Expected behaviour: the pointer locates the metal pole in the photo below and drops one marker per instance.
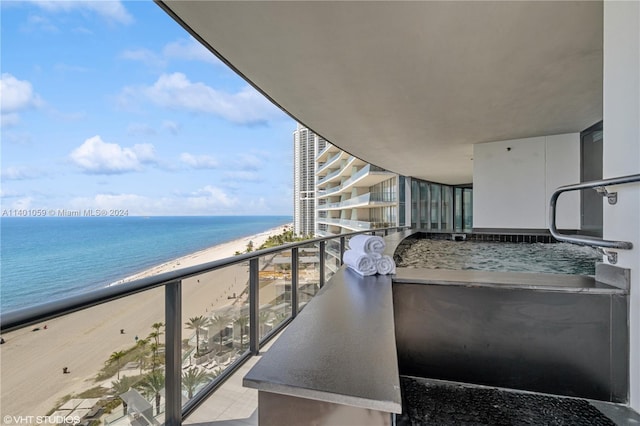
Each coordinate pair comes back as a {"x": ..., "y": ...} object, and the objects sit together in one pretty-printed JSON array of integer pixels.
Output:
[
  {"x": 173, "y": 366},
  {"x": 254, "y": 307},
  {"x": 294, "y": 282},
  {"x": 342, "y": 248},
  {"x": 322, "y": 244}
]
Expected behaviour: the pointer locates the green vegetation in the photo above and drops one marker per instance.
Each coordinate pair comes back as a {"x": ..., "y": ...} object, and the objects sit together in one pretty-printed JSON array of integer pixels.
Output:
[
  {"x": 116, "y": 358},
  {"x": 193, "y": 378},
  {"x": 220, "y": 322},
  {"x": 242, "y": 322},
  {"x": 196, "y": 323},
  {"x": 151, "y": 386},
  {"x": 287, "y": 236},
  {"x": 94, "y": 392}
]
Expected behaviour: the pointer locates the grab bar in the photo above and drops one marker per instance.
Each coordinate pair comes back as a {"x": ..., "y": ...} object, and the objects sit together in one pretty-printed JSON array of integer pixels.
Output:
[{"x": 600, "y": 186}]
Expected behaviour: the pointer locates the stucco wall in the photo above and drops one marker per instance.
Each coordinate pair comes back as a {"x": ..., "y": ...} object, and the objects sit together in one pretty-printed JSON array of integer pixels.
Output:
[
  {"x": 622, "y": 154},
  {"x": 513, "y": 181}
]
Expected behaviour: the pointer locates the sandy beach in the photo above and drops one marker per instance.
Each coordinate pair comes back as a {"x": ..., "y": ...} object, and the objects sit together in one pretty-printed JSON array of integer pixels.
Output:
[{"x": 31, "y": 378}]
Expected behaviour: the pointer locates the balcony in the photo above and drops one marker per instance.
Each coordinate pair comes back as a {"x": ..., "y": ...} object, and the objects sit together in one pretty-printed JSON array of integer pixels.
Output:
[
  {"x": 331, "y": 162},
  {"x": 364, "y": 200},
  {"x": 203, "y": 324},
  {"x": 368, "y": 176},
  {"x": 323, "y": 155},
  {"x": 328, "y": 177}
]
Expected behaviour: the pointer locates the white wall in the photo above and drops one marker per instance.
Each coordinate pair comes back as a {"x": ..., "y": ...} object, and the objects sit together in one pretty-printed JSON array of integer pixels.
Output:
[
  {"x": 622, "y": 154},
  {"x": 513, "y": 181}
]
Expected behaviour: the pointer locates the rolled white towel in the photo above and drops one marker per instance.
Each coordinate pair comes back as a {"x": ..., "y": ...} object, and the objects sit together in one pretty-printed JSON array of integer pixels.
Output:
[
  {"x": 367, "y": 243},
  {"x": 362, "y": 263},
  {"x": 385, "y": 265}
]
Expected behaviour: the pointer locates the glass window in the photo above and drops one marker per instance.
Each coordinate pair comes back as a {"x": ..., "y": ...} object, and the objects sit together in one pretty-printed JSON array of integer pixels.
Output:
[
  {"x": 435, "y": 206},
  {"x": 446, "y": 216}
]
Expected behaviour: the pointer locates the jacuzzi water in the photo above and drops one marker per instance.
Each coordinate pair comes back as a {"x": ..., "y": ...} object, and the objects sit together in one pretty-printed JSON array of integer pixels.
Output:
[{"x": 558, "y": 258}]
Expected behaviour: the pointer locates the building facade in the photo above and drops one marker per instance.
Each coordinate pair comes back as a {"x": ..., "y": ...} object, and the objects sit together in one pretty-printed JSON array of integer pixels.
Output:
[
  {"x": 306, "y": 145},
  {"x": 353, "y": 195}
]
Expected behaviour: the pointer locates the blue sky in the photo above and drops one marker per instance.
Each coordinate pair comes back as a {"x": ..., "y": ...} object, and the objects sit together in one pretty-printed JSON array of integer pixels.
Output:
[{"x": 112, "y": 105}]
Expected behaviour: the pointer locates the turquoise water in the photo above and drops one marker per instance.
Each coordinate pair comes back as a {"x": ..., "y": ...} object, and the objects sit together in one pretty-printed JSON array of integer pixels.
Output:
[
  {"x": 49, "y": 258},
  {"x": 559, "y": 258}
]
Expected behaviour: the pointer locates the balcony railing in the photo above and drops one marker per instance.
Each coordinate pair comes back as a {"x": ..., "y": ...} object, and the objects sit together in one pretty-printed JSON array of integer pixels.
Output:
[
  {"x": 328, "y": 177},
  {"x": 366, "y": 199},
  {"x": 263, "y": 292},
  {"x": 329, "y": 162}
]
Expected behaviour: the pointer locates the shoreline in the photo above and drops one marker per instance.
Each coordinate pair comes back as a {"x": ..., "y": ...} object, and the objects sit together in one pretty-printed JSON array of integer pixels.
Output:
[
  {"x": 205, "y": 255},
  {"x": 33, "y": 357}
]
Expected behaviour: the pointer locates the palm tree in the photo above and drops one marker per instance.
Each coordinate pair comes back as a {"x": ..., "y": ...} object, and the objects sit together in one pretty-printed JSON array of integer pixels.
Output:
[
  {"x": 220, "y": 322},
  {"x": 142, "y": 353},
  {"x": 154, "y": 356},
  {"x": 196, "y": 323},
  {"x": 263, "y": 317},
  {"x": 193, "y": 378},
  {"x": 116, "y": 357},
  {"x": 121, "y": 386},
  {"x": 152, "y": 385},
  {"x": 157, "y": 326},
  {"x": 242, "y": 322}
]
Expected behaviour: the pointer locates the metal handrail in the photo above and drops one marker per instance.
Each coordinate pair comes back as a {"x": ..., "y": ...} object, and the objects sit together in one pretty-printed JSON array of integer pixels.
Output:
[
  {"x": 172, "y": 282},
  {"x": 598, "y": 185}
]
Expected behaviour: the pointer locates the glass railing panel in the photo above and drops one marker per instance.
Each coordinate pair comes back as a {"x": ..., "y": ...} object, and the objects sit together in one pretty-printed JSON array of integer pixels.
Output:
[
  {"x": 215, "y": 325},
  {"x": 88, "y": 364},
  {"x": 331, "y": 262},
  {"x": 275, "y": 291},
  {"x": 308, "y": 273}
]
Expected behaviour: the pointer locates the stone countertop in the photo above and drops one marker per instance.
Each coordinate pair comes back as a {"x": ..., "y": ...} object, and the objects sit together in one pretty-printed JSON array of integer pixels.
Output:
[{"x": 340, "y": 349}]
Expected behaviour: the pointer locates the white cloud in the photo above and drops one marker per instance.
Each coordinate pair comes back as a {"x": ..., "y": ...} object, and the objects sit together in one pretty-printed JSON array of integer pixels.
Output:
[
  {"x": 210, "y": 199},
  {"x": 140, "y": 129},
  {"x": 40, "y": 23},
  {"x": 22, "y": 203},
  {"x": 144, "y": 55},
  {"x": 204, "y": 201},
  {"x": 10, "y": 119},
  {"x": 19, "y": 173},
  {"x": 199, "y": 161},
  {"x": 98, "y": 157},
  {"x": 249, "y": 162},
  {"x": 133, "y": 204},
  {"x": 171, "y": 126},
  {"x": 62, "y": 67},
  {"x": 110, "y": 10},
  {"x": 175, "y": 91},
  {"x": 15, "y": 96},
  {"x": 189, "y": 49}
]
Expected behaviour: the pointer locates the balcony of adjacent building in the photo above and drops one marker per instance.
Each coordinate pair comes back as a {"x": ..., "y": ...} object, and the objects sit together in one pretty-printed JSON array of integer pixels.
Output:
[
  {"x": 361, "y": 201},
  {"x": 326, "y": 152},
  {"x": 332, "y": 162},
  {"x": 367, "y": 176}
]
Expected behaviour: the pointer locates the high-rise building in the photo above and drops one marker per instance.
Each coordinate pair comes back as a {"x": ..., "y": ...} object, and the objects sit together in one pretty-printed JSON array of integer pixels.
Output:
[{"x": 306, "y": 146}]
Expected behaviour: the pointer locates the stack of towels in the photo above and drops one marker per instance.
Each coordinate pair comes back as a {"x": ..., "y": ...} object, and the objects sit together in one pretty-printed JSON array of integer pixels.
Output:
[{"x": 365, "y": 256}]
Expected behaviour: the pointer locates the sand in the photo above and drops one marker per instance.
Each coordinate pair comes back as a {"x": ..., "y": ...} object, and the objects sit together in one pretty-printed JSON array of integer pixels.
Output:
[{"x": 31, "y": 378}]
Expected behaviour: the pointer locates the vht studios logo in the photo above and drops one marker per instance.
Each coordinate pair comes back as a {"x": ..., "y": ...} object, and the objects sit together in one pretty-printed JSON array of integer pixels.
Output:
[{"x": 40, "y": 420}]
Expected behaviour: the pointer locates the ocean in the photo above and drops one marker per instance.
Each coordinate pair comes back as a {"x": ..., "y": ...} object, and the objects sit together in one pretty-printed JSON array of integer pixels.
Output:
[{"x": 43, "y": 259}]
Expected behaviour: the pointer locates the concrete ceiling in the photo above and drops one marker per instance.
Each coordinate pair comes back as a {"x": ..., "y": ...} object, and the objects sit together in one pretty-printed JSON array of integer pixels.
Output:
[{"x": 411, "y": 86}]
